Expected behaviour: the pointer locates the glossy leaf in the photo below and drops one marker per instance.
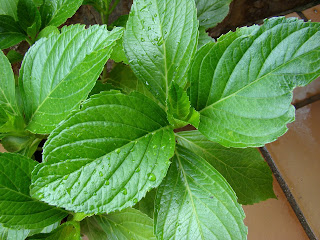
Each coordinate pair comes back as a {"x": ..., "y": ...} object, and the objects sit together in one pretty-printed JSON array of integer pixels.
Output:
[
  {"x": 12, "y": 234},
  {"x": 180, "y": 113},
  {"x": 211, "y": 12},
  {"x": 29, "y": 17},
  {"x": 67, "y": 231},
  {"x": 10, "y": 32},
  {"x": 10, "y": 115},
  {"x": 9, "y": 7},
  {"x": 123, "y": 78},
  {"x": 204, "y": 38},
  {"x": 15, "y": 201},
  {"x": 118, "y": 54},
  {"x": 102, "y": 159},
  {"x": 56, "y": 12},
  {"x": 242, "y": 85},
  {"x": 59, "y": 72},
  {"x": 160, "y": 41},
  {"x": 244, "y": 169},
  {"x": 125, "y": 225},
  {"x": 195, "y": 202}
]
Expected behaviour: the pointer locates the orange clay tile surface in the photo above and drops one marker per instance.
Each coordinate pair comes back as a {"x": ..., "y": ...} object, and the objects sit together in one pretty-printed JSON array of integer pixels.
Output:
[
  {"x": 313, "y": 13},
  {"x": 273, "y": 219},
  {"x": 297, "y": 155}
]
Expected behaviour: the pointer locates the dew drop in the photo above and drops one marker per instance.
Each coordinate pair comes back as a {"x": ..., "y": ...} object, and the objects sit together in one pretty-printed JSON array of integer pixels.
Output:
[
  {"x": 124, "y": 191},
  {"x": 142, "y": 40},
  {"x": 118, "y": 150},
  {"x": 107, "y": 182},
  {"x": 135, "y": 200},
  {"x": 100, "y": 174},
  {"x": 151, "y": 177},
  {"x": 137, "y": 170},
  {"x": 154, "y": 146}
]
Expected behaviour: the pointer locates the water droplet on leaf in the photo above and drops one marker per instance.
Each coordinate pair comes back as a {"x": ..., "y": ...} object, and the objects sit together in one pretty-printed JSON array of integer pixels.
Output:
[{"x": 151, "y": 177}]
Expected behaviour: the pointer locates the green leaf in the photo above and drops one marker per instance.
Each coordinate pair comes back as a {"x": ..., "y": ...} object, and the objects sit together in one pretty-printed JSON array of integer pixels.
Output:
[
  {"x": 29, "y": 17},
  {"x": 242, "y": 85},
  {"x": 10, "y": 115},
  {"x": 118, "y": 54},
  {"x": 60, "y": 71},
  {"x": 12, "y": 234},
  {"x": 14, "y": 57},
  {"x": 56, "y": 12},
  {"x": 244, "y": 169},
  {"x": 47, "y": 229},
  {"x": 122, "y": 77},
  {"x": 195, "y": 202},
  {"x": 15, "y": 201},
  {"x": 67, "y": 231},
  {"x": 47, "y": 32},
  {"x": 160, "y": 41},
  {"x": 204, "y": 38},
  {"x": 211, "y": 12},
  {"x": 125, "y": 225},
  {"x": 10, "y": 32},
  {"x": 180, "y": 113},
  {"x": 106, "y": 156},
  {"x": 100, "y": 87},
  {"x": 9, "y": 7},
  {"x": 146, "y": 204}
]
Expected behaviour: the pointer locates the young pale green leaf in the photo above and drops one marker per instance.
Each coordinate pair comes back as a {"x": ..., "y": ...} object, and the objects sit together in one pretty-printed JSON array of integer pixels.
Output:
[
  {"x": 10, "y": 114},
  {"x": 9, "y": 7},
  {"x": 244, "y": 169},
  {"x": 180, "y": 113},
  {"x": 56, "y": 12},
  {"x": 195, "y": 202},
  {"x": 106, "y": 156},
  {"x": 118, "y": 54},
  {"x": 15, "y": 200},
  {"x": 204, "y": 38},
  {"x": 122, "y": 77},
  {"x": 242, "y": 85},
  {"x": 29, "y": 17},
  {"x": 10, "y": 32},
  {"x": 59, "y": 72},
  {"x": 68, "y": 231},
  {"x": 160, "y": 41},
  {"x": 211, "y": 12},
  {"x": 12, "y": 234},
  {"x": 125, "y": 225}
]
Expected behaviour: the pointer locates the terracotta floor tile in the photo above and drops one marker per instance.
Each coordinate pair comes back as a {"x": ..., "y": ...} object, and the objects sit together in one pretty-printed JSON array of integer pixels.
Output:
[
  {"x": 313, "y": 13},
  {"x": 301, "y": 93},
  {"x": 273, "y": 219},
  {"x": 297, "y": 155},
  {"x": 294, "y": 14}
]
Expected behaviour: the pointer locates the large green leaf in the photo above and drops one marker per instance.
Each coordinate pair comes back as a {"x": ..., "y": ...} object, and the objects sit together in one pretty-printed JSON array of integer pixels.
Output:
[
  {"x": 242, "y": 85},
  {"x": 67, "y": 231},
  {"x": 195, "y": 202},
  {"x": 12, "y": 234},
  {"x": 59, "y": 72},
  {"x": 56, "y": 12},
  {"x": 10, "y": 114},
  {"x": 10, "y": 32},
  {"x": 15, "y": 200},
  {"x": 211, "y": 12},
  {"x": 9, "y": 7},
  {"x": 125, "y": 225},
  {"x": 160, "y": 40},
  {"x": 180, "y": 113},
  {"x": 106, "y": 156},
  {"x": 244, "y": 169}
]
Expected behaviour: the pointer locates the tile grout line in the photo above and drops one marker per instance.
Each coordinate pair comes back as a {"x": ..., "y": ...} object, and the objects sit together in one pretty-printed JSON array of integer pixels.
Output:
[
  {"x": 285, "y": 188},
  {"x": 307, "y": 101}
]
